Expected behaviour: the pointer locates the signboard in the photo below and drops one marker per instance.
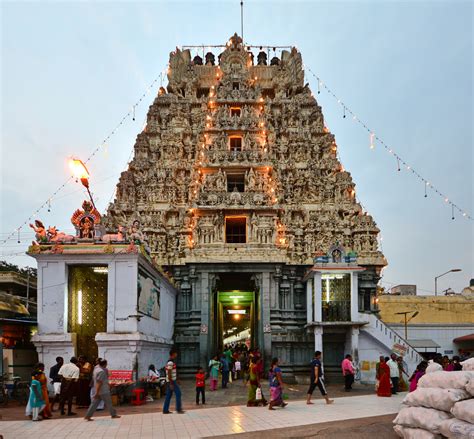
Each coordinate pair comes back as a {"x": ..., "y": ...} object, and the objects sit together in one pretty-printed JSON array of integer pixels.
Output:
[
  {"x": 399, "y": 349},
  {"x": 120, "y": 376},
  {"x": 148, "y": 294}
]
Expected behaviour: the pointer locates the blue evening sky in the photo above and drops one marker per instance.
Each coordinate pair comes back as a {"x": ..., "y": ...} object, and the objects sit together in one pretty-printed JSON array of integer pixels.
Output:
[{"x": 71, "y": 70}]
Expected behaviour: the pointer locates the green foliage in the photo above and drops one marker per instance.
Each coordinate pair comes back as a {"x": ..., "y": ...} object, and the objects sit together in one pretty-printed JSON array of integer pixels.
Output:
[{"x": 5, "y": 266}]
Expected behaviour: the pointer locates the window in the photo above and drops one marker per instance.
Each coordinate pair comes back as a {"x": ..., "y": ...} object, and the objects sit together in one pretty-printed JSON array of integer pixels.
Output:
[
  {"x": 235, "y": 86},
  {"x": 235, "y": 112},
  {"x": 202, "y": 92},
  {"x": 236, "y": 230},
  {"x": 236, "y": 181},
  {"x": 236, "y": 143},
  {"x": 268, "y": 93}
]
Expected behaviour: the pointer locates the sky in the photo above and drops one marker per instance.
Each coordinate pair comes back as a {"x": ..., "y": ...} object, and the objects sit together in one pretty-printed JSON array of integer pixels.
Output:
[{"x": 70, "y": 71}]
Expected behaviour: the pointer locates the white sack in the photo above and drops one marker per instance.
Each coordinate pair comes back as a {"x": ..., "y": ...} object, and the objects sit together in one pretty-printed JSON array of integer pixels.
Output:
[
  {"x": 470, "y": 386},
  {"x": 421, "y": 417},
  {"x": 464, "y": 410},
  {"x": 454, "y": 428},
  {"x": 446, "y": 380},
  {"x": 433, "y": 367},
  {"x": 439, "y": 399},
  {"x": 414, "y": 433},
  {"x": 468, "y": 364}
]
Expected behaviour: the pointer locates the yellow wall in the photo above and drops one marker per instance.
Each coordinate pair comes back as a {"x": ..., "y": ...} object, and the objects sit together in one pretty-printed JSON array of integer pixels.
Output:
[{"x": 431, "y": 309}]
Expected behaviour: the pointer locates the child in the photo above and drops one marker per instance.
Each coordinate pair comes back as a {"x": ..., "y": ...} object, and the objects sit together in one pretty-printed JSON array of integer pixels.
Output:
[
  {"x": 36, "y": 403},
  {"x": 200, "y": 386},
  {"x": 214, "y": 366}
]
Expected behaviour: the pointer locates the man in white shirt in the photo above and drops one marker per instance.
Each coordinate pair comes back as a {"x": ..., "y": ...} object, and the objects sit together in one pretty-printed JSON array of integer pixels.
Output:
[
  {"x": 69, "y": 374},
  {"x": 394, "y": 373}
]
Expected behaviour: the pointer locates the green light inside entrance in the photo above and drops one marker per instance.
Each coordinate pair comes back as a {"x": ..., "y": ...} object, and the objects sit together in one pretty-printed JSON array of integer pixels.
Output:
[{"x": 236, "y": 316}]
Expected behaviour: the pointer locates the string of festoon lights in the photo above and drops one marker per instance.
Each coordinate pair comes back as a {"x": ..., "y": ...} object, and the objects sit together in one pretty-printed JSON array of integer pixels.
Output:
[
  {"x": 102, "y": 146},
  {"x": 374, "y": 138}
]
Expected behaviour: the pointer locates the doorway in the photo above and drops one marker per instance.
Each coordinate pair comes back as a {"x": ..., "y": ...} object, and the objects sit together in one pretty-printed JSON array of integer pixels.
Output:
[
  {"x": 235, "y": 312},
  {"x": 87, "y": 306}
]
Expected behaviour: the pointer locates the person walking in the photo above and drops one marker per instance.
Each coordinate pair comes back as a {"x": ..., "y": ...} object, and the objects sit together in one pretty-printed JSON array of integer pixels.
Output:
[
  {"x": 36, "y": 402},
  {"x": 225, "y": 369},
  {"x": 276, "y": 386},
  {"x": 214, "y": 366},
  {"x": 200, "y": 386},
  {"x": 317, "y": 379},
  {"x": 253, "y": 382},
  {"x": 394, "y": 373},
  {"x": 348, "y": 372},
  {"x": 172, "y": 384},
  {"x": 69, "y": 373},
  {"x": 102, "y": 391},
  {"x": 56, "y": 380},
  {"x": 101, "y": 405}
]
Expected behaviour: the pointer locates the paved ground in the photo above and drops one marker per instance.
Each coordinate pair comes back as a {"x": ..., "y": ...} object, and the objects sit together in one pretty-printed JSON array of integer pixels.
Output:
[
  {"x": 235, "y": 394},
  {"x": 318, "y": 419}
]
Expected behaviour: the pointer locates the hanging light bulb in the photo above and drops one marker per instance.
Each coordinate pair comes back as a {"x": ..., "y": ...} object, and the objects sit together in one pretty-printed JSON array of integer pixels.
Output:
[{"x": 372, "y": 145}]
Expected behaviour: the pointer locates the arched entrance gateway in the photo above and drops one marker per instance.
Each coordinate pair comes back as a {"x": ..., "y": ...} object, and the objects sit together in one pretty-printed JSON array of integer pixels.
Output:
[{"x": 236, "y": 185}]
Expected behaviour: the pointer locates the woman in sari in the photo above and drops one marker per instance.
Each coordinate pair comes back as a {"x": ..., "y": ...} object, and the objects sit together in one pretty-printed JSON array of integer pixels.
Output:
[
  {"x": 41, "y": 377},
  {"x": 276, "y": 386},
  {"x": 417, "y": 374},
  {"x": 383, "y": 377},
  {"x": 253, "y": 383}
]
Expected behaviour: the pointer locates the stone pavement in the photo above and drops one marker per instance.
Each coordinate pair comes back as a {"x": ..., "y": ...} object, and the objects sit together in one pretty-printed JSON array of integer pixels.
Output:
[{"x": 206, "y": 422}]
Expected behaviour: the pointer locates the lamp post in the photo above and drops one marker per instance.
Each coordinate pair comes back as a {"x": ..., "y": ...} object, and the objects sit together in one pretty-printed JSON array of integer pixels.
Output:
[
  {"x": 453, "y": 270},
  {"x": 79, "y": 171},
  {"x": 415, "y": 313}
]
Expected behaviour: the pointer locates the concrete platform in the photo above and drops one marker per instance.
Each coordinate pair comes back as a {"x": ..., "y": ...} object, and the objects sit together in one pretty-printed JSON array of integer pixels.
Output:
[{"x": 208, "y": 422}]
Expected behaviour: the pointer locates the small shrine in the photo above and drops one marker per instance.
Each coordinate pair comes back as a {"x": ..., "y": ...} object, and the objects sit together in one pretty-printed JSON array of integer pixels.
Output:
[{"x": 101, "y": 295}]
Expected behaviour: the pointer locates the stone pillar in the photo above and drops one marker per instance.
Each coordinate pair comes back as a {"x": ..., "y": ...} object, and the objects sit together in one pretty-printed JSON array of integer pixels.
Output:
[
  {"x": 318, "y": 312},
  {"x": 265, "y": 315},
  {"x": 355, "y": 344},
  {"x": 204, "y": 330},
  {"x": 309, "y": 300},
  {"x": 318, "y": 338},
  {"x": 354, "y": 297}
]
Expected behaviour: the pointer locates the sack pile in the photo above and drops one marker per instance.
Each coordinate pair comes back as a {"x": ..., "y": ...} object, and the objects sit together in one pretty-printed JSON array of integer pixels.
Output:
[{"x": 441, "y": 406}]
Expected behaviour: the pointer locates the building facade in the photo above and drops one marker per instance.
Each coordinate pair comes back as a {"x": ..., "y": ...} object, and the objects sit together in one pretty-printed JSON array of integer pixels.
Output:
[{"x": 237, "y": 186}]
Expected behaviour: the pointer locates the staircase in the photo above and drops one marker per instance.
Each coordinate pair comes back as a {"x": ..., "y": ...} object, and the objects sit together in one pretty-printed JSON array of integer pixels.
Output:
[{"x": 388, "y": 337}]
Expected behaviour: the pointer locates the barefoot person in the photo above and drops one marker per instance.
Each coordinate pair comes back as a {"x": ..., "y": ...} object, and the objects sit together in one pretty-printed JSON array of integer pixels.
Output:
[
  {"x": 276, "y": 386},
  {"x": 317, "y": 379},
  {"x": 102, "y": 391}
]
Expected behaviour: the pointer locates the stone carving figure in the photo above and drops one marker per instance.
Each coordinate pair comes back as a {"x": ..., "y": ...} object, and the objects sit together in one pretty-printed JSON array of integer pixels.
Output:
[{"x": 250, "y": 180}]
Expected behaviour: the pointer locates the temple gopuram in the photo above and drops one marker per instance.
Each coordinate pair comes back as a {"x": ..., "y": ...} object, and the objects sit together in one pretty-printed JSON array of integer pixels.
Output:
[{"x": 236, "y": 184}]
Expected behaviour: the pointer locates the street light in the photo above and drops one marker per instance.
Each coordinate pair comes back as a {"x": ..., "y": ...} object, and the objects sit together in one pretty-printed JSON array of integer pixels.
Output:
[
  {"x": 415, "y": 313},
  {"x": 80, "y": 172},
  {"x": 453, "y": 270}
]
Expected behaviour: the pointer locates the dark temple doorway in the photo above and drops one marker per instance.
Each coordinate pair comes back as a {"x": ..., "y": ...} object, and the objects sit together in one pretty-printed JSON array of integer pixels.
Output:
[{"x": 235, "y": 311}]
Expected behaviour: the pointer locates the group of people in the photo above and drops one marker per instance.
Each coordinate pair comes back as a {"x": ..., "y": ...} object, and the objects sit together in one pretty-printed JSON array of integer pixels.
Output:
[
  {"x": 76, "y": 379},
  {"x": 390, "y": 373},
  {"x": 248, "y": 365}
]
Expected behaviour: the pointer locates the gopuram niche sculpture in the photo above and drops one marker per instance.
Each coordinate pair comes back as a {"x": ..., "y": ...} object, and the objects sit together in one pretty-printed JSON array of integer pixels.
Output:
[{"x": 236, "y": 166}]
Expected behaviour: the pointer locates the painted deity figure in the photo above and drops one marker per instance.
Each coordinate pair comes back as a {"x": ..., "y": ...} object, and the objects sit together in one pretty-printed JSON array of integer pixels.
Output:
[{"x": 40, "y": 231}]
